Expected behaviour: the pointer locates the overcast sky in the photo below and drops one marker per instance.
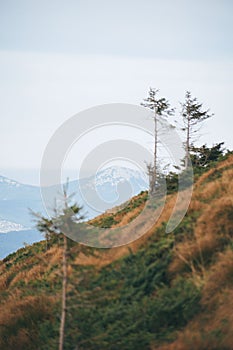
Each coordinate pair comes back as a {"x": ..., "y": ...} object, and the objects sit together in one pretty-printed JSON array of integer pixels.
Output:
[{"x": 60, "y": 57}]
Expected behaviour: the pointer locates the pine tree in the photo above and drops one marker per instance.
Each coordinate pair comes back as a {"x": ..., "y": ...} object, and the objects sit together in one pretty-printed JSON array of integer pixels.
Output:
[
  {"x": 62, "y": 223},
  {"x": 161, "y": 109},
  {"x": 193, "y": 115}
]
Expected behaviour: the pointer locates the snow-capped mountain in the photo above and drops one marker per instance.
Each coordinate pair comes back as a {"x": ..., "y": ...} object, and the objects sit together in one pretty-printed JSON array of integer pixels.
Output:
[
  {"x": 115, "y": 175},
  {"x": 7, "y": 226},
  {"x": 7, "y": 181},
  {"x": 108, "y": 188}
]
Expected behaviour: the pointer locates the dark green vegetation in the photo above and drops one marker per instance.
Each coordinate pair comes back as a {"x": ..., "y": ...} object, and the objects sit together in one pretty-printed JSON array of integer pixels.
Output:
[
  {"x": 165, "y": 291},
  {"x": 203, "y": 158}
]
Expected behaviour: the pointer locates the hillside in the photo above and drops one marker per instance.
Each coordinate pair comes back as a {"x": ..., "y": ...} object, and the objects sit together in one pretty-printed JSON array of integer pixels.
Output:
[{"x": 163, "y": 291}]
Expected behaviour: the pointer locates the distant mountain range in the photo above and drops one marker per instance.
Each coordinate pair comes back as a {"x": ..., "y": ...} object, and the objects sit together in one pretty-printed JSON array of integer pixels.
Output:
[
  {"x": 110, "y": 187},
  {"x": 15, "y": 201}
]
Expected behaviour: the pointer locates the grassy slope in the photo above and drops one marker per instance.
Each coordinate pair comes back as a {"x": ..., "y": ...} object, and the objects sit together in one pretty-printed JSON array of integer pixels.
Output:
[{"x": 160, "y": 292}]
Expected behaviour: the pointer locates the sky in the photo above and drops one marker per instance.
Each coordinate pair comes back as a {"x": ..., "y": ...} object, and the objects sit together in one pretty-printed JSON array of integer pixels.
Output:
[{"x": 58, "y": 58}]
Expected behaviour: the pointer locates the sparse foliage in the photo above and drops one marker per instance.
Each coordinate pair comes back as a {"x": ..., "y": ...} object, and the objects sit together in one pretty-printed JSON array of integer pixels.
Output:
[
  {"x": 193, "y": 115},
  {"x": 62, "y": 223},
  {"x": 161, "y": 109},
  {"x": 203, "y": 156}
]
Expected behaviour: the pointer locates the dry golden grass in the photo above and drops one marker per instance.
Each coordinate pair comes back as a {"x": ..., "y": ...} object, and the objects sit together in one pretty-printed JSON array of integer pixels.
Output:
[
  {"x": 212, "y": 233},
  {"x": 196, "y": 205},
  {"x": 217, "y": 219},
  {"x": 214, "y": 227},
  {"x": 33, "y": 269},
  {"x": 26, "y": 311},
  {"x": 211, "y": 190},
  {"x": 192, "y": 256},
  {"x": 215, "y": 188},
  {"x": 219, "y": 276},
  {"x": 213, "y": 327},
  {"x": 4, "y": 280},
  {"x": 53, "y": 256},
  {"x": 36, "y": 272},
  {"x": 224, "y": 165},
  {"x": 125, "y": 219}
]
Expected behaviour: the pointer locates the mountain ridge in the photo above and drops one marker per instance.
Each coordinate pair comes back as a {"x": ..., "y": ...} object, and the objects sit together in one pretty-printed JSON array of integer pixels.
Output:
[{"x": 28, "y": 196}]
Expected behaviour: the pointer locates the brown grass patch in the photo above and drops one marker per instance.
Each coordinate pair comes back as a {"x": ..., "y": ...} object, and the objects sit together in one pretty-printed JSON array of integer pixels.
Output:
[
  {"x": 217, "y": 218},
  {"x": 16, "y": 316},
  {"x": 193, "y": 255},
  {"x": 195, "y": 205},
  {"x": 126, "y": 218},
  {"x": 36, "y": 272},
  {"x": 224, "y": 165},
  {"x": 219, "y": 276}
]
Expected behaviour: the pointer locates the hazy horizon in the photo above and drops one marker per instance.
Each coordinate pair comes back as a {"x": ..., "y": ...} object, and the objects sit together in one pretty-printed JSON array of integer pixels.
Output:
[{"x": 58, "y": 60}]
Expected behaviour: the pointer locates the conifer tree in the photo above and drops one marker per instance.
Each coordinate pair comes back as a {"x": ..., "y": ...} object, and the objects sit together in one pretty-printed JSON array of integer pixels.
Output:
[
  {"x": 193, "y": 115},
  {"x": 62, "y": 223},
  {"x": 161, "y": 109}
]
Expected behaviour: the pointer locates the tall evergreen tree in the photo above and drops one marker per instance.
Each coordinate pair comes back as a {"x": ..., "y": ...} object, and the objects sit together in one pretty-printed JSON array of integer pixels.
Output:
[
  {"x": 193, "y": 115},
  {"x": 161, "y": 109}
]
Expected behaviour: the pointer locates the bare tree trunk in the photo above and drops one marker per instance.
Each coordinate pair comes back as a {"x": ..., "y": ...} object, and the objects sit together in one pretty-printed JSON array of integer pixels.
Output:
[
  {"x": 150, "y": 172},
  {"x": 187, "y": 146},
  {"x": 64, "y": 287},
  {"x": 154, "y": 173}
]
